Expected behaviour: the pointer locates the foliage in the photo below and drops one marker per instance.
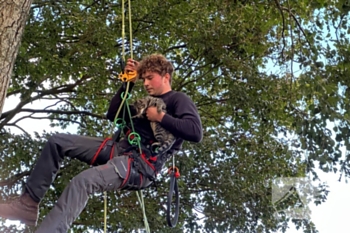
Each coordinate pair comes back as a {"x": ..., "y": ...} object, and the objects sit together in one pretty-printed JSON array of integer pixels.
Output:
[{"x": 269, "y": 79}]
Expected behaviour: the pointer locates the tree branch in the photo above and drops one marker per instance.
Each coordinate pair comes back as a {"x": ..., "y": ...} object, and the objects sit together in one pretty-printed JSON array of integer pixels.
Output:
[
  {"x": 13, "y": 179},
  {"x": 283, "y": 25},
  {"x": 20, "y": 128},
  {"x": 175, "y": 47},
  {"x": 62, "y": 112},
  {"x": 7, "y": 116}
]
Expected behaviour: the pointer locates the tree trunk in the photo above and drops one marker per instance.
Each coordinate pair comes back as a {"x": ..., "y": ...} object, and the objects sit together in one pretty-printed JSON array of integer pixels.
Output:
[{"x": 13, "y": 16}]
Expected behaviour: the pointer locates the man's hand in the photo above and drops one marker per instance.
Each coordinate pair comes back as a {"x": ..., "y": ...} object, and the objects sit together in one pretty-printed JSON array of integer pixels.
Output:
[
  {"x": 131, "y": 65},
  {"x": 153, "y": 115}
]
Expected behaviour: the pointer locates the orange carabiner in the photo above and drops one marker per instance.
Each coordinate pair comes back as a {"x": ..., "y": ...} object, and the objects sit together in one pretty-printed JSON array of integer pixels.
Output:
[{"x": 176, "y": 172}]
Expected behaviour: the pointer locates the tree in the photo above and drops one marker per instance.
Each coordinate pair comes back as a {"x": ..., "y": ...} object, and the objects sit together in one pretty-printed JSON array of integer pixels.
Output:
[
  {"x": 13, "y": 16},
  {"x": 236, "y": 59}
]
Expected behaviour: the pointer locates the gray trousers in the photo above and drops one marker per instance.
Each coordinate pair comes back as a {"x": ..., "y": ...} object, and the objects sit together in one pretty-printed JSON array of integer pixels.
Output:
[{"x": 75, "y": 196}]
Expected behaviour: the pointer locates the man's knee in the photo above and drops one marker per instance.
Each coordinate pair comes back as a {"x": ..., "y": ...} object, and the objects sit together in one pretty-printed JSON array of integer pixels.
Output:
[
  {"x": 82, "y": 182},
  {"x": 54, "y": 139}
]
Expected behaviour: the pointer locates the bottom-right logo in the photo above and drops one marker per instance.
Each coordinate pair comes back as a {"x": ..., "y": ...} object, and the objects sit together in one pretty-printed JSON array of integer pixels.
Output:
[{"x": 291, "y": 197}]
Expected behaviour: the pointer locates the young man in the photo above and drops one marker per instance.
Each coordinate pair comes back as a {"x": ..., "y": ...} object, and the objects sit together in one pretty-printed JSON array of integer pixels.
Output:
[{"x": 181, "y": 119}]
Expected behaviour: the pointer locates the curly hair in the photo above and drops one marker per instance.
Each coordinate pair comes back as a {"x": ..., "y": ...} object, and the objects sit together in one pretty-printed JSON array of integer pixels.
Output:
[{"x": 155, "y": 63}]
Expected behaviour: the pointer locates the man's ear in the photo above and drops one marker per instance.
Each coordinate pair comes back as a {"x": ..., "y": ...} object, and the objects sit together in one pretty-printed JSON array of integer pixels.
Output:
[{"x": 167, "y": 76}]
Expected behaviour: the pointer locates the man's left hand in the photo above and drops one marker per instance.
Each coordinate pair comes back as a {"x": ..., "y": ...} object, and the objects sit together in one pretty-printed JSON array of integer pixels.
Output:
[{"x": 153, "y": 115}]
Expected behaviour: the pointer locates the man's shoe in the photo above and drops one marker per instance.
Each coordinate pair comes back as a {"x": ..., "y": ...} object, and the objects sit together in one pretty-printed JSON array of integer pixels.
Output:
[{"x": 23, "y": 208}]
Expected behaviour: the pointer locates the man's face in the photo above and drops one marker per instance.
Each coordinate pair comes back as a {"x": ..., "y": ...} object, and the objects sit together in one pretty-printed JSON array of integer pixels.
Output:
[{"x": 154, "y": 83}]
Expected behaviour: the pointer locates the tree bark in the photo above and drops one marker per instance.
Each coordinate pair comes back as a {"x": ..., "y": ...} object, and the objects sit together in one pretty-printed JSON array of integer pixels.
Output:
[{"x": 13, "y": 16}]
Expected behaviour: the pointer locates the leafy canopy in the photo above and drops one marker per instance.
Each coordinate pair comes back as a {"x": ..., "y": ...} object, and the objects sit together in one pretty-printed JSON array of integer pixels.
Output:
[{"x": 269, "y": 79}]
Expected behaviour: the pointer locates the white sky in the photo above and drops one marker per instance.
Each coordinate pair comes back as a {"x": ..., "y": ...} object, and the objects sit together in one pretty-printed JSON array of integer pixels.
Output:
[{"x": 329, "y": 217}]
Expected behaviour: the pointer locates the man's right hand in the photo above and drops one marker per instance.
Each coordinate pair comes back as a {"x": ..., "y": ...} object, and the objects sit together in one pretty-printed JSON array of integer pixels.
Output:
[{"x": 131, "y": 65}]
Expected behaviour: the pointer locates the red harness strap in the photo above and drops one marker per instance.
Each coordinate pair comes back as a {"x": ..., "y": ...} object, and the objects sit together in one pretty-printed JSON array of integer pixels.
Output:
[
  {"x": 99, "y": 150},
  {"x": 144, "y": 158}
]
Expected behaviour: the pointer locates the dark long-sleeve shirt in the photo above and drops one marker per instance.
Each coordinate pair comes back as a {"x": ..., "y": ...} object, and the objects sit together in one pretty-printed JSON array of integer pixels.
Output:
[{"x": 182, "y": 118}]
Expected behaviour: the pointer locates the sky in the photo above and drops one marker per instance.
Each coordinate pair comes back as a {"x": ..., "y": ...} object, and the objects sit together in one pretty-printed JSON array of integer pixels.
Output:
[{"x": 331, "y": 216}]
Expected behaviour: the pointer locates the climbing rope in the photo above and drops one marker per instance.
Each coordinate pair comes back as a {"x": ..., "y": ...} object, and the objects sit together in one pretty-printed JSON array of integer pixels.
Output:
[
  {"x": 105, "y": 212},
  {"x": 127, "y": 76}
]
